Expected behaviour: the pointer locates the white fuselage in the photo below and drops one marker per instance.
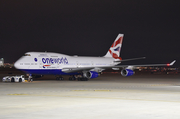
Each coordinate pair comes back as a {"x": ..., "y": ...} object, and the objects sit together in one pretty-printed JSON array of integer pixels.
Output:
[{"x": 43, "y": 62}]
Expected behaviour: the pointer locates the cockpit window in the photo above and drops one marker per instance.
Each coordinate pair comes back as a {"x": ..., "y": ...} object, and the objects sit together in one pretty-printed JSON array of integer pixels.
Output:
[{"x": 27, "y": 55}]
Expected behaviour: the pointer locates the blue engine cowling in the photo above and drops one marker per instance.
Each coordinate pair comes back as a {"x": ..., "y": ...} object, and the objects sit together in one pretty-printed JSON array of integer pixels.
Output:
[
  {"x": 90, "y": 74},
  {"x": 127, "y": 72}
]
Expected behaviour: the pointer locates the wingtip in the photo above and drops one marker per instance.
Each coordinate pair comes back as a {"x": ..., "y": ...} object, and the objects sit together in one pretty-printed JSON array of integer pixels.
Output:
[{"x": 172, "y": 62}]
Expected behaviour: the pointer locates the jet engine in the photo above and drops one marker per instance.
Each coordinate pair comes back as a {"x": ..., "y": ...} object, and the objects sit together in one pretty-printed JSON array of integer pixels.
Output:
[
  {"x": 90, "y": 74},
  {"x": 127, "y": 72}
]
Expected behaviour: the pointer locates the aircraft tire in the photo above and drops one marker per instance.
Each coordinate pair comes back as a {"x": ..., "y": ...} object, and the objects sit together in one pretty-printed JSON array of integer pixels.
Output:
[
  {"x": 83, "y": 79},
  {"x": 86, "y": 79},
  {"x": 31, "y": 80},
  {"x": 61, "y": 78}
]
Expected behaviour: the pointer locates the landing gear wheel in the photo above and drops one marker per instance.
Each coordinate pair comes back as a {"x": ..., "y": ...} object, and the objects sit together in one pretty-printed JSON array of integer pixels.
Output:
[
  {"x": 57, "y": 78},
  {"x": 31, "y": 80},
  {"x": 61, "y": 78},
  {"x": 83, "y": 79},
  {"x": 70, "y": 78}
]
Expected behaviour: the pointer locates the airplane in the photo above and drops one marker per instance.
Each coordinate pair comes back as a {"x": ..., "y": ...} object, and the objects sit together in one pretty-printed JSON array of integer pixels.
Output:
[{"x": 80, "y": 68}]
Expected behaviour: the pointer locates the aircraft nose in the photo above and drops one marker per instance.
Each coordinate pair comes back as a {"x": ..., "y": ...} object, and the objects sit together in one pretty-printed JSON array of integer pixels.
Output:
[
  {"x": 16, "y": 64},
  {"x": 19, "y": 63}
]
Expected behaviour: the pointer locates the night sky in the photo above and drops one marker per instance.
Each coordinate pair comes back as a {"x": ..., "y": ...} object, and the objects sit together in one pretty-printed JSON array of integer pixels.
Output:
[{"x": 151, "y": 28}]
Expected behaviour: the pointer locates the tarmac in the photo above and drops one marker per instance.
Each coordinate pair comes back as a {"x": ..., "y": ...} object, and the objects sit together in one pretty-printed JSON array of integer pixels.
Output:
[{"x": 109, "y": 96}]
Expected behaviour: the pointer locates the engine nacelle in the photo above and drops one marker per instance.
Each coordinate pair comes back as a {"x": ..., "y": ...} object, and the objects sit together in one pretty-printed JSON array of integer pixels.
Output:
[
  {"x": 90, "y": 74},
  {"x": 127, "y": 72}
]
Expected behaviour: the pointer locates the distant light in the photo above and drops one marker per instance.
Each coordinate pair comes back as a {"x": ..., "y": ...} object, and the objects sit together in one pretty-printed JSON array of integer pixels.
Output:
[{"x": 168, "y": 64}]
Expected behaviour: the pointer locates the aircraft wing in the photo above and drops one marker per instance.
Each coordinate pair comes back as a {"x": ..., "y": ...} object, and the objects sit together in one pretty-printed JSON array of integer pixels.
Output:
[
  {"x": 146, "y": 65},
  {"x": 78, "y": 69}
]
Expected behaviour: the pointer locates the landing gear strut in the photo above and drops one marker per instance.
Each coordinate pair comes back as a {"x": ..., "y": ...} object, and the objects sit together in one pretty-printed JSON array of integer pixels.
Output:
[{"x": 30, "y": 79}]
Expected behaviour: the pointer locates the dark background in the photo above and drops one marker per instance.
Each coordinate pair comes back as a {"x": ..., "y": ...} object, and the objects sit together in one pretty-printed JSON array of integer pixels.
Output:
[{"x": 151, "y": 28}]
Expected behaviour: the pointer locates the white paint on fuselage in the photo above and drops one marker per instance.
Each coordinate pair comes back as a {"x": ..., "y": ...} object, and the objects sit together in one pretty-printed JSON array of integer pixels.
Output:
[{"x": 29, "y": 61}]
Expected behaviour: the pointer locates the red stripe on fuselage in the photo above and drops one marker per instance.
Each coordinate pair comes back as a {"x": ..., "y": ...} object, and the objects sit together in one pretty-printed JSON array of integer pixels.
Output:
[{"x": 46, "y": 65}]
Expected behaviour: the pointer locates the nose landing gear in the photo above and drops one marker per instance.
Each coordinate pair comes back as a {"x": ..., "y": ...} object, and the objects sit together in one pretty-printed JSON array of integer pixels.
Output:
[{"x": 30, "y": 78}]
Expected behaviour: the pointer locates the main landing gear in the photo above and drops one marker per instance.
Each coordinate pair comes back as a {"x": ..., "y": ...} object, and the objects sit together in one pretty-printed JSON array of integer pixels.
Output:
[
  {"x": 79, "y": 78},
  {"x": 83, "y": 79},
  {"x": 73, "y": 78},
  {"x": 59, "y": 78}
]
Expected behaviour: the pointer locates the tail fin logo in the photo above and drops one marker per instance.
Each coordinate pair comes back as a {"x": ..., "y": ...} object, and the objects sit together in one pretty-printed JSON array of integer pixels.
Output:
[
  {"x": 115, "y": 48},
  {"x": 119, "y": 41}
]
